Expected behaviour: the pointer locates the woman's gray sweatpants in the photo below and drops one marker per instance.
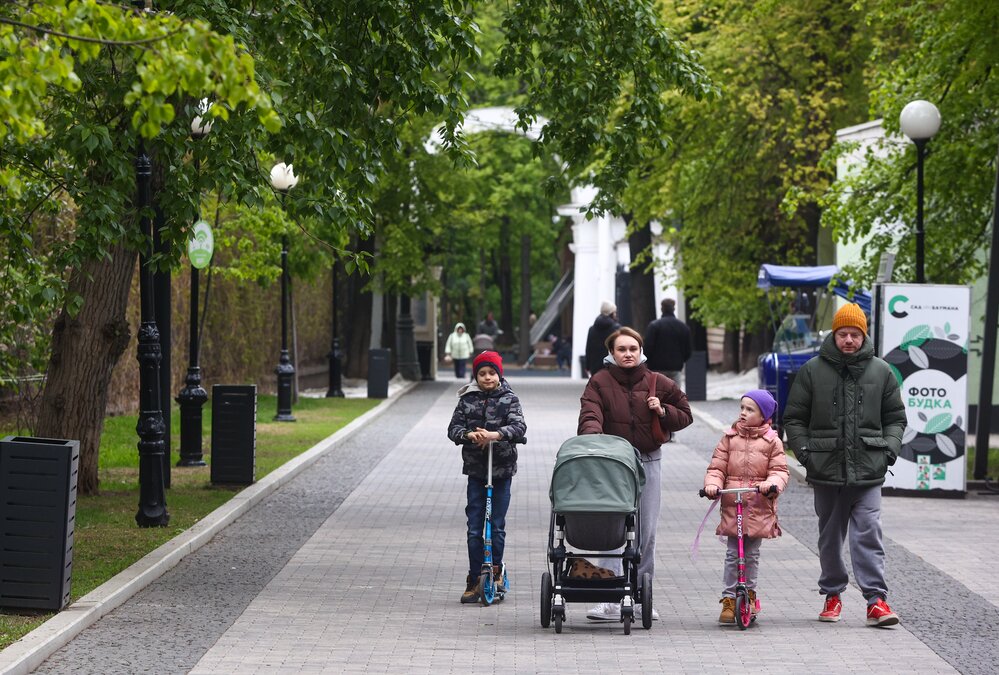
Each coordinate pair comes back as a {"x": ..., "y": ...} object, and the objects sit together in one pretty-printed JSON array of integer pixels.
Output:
[
  {"x": 649, "y": 505},
  {"x": 857, "y": 511}
]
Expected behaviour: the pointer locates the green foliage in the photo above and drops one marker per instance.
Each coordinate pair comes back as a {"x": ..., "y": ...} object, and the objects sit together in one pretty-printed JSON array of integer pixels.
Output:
[
  {"x": 600, "y": 71},
  {"x": 731, "y": 188},
  {"x": 942, "y": 51}
]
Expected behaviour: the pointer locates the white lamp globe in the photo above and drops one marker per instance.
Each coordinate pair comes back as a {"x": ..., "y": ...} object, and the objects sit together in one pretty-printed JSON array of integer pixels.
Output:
[
  {"x": 919, "y": 120},
  {"x": 283, "y": 177},
  {"x": 199, "y": 125}
]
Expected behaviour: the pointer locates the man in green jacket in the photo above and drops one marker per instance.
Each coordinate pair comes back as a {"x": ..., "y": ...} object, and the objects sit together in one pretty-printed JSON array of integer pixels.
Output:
[{"x": 844, "y": 420}]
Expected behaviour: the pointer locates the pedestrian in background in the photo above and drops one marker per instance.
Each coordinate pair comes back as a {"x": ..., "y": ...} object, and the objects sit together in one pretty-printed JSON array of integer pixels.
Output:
[
  {"x": 667, "y": 342},
  {"x": 750, "y": 453},
  {"x": 596, "y": 338},
  {"x": 844, "y": 421},
  {"x": 487, "y": 410},
  {"x": 488, "y": 326},
  {"x": 458, "y": 349},
  {"x": 627, "y": 399}
]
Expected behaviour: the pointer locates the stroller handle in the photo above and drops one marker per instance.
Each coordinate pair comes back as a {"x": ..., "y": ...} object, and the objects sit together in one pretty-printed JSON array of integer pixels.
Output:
[{"x": 735, "y": 491}]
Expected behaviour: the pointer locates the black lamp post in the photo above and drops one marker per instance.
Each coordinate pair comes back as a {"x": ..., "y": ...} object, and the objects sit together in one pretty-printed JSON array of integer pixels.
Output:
[
  {"x": 150, "y": 427},
  {"x": 334, "y": 390},
  {"x": 408, "y": 363},
  {"x": 193, "y": 396},
  {"x": 283, "y": 179},
  {"x": 920, "y": 121}
]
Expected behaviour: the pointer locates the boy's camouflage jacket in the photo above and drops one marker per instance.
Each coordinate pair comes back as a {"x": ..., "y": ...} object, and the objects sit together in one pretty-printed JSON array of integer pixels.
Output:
[{"x": 498, "y": 410}]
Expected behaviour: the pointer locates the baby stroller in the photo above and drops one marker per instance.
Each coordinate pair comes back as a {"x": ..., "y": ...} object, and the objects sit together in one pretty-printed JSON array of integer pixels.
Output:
[{"x": 595, "y": 489}]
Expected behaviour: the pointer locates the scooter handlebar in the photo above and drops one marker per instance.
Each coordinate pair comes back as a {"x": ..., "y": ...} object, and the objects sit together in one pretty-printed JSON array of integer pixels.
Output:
[{"x": 732, "y": 491}]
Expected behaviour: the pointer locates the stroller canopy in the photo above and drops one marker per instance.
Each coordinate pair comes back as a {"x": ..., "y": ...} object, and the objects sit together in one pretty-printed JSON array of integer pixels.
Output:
[{"x": 596, "y": 473}]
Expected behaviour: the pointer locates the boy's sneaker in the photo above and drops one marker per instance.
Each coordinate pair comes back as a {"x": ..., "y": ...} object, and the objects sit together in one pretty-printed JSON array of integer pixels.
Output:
[
  {"x": 754, "y": 604},
  {"x": 832, "y": 608},
  {"x": 880, "y": 614},
  {"x": 605, "y": 611},
  {"x": 471, "y": 594}
]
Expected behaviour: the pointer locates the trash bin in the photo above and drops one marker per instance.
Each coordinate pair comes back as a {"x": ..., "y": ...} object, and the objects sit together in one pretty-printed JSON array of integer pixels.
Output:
[
  {"x": 37, "y": 518},
  {"x": 696, "y": 370},
  {"x": 379, "y": 366},
  {"x": 425, "y": 355},
  {"x": 234, "y": 433}
]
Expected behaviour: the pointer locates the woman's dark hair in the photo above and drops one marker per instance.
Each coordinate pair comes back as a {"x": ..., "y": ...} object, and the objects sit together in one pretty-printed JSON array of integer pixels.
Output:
[{"x": 623, "y": 330}]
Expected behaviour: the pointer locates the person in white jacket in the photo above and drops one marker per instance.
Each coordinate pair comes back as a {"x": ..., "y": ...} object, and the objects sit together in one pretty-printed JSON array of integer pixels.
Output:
[{"x": 458, "y": 349}]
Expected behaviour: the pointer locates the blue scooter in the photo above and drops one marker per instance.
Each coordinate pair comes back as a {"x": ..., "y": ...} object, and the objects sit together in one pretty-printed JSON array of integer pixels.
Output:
[{"x": 492, "y": 589}]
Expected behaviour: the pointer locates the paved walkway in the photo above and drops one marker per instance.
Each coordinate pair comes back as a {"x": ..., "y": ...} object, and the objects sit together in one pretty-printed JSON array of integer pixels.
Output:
[{"x": 357, "y": 564}]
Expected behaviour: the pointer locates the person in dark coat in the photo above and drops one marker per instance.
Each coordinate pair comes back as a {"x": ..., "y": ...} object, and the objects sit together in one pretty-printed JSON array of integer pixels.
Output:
[
  {"x": 596, "y": 349},
  {"x": 844, "y": 421},
  {"x": 667, "y": 342}
]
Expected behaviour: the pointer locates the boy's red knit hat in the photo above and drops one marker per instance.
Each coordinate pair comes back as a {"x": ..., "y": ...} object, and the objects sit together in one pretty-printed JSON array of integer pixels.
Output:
[{"x": 488, "y": 359}]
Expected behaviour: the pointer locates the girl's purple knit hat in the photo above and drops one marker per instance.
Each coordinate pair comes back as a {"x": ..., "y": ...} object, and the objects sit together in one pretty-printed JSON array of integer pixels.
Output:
[{"x": 765, "y": 400}]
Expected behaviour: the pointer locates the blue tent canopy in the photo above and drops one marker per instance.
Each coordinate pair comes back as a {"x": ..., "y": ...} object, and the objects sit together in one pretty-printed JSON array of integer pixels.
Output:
[{"x": 787, "y": 276}]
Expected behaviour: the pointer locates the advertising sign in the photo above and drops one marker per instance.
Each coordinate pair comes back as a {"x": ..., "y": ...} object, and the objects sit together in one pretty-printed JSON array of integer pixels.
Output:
[
  {"x": 201, "y": 245},
  {"x": 923, "y": 335}
]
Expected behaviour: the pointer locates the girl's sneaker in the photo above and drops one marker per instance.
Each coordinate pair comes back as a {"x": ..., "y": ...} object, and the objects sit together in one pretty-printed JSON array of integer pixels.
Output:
[{"x": 728, "y": 610}]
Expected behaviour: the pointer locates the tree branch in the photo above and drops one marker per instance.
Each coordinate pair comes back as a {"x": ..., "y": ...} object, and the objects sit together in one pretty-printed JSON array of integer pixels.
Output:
[{"x": 80, "y": 38}]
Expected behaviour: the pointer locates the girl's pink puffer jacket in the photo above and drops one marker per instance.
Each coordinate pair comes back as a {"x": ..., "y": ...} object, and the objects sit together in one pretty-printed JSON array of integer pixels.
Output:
[{"x": 744, "y": 457}]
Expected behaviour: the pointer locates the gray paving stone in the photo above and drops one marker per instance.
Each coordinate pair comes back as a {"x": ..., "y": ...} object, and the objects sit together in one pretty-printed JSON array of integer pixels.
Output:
[{"x": 357, "y": 565}]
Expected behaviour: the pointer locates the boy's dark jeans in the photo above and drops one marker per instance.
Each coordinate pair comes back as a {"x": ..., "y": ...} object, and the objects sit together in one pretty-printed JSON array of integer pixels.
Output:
[{"x": 475, "y": 510}]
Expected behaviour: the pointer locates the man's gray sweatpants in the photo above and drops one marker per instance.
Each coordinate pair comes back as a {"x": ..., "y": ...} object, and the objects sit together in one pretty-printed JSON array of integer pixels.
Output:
[{"x": 855, "y": 511}]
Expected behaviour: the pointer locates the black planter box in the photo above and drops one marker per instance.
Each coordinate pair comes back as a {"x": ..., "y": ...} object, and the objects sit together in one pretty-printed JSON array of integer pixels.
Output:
[{"x": 38, "y": 479}]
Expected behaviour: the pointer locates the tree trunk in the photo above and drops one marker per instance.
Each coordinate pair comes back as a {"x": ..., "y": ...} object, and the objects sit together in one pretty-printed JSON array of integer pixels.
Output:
[
  {"x": 754, "y": 344},
  {"x": 505, "y": 273},
  {"x": 643, "y": 284},
  {"x": 730, "y": 352},
  {"x": 85, "y": 349},
  {"x": 355, "y": 309},
  {"x": 698, "y": 332},
  {"x": 524, "y": 343}
]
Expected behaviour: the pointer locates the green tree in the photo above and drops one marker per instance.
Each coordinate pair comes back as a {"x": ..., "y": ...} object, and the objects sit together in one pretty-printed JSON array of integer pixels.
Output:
[
  {"x": 346, "y": 79},
  {"x": 730, "y": 189},
  {"x": 942, "y": 51}
]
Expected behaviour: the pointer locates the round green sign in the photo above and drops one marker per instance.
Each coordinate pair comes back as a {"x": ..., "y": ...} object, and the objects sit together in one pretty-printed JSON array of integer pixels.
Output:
[{"x": 201, "y": 245}]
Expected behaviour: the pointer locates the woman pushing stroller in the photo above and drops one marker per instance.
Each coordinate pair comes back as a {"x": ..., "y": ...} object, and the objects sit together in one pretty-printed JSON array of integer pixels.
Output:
[
  {"x": 627, "y": 399},
  {"x": 749, "y": 454}
]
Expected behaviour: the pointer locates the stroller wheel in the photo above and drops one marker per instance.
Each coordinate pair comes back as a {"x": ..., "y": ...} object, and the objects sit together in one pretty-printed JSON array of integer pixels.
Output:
[
  {"x": 646, "y": 598},
  {"x": 558, "y": 622},
  {"x": 546, "y": 600},
  {"x": 627, "y": 625}
]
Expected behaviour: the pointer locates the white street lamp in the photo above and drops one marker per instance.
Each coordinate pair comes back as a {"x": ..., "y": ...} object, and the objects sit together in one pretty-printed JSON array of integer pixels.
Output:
[
  {"x": 920, "y": 121},
  {"x": 283, "y": 177}
]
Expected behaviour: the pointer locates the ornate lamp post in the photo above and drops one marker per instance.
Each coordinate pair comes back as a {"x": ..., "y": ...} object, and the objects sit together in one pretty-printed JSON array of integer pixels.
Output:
[
  {"x": 283, "y": 179},
  {"x": 193, "y": 396},
  {"x": 334, "y": 390},
  {"x": 920, "y": 121},
  {"x": 150, "y": 427}
]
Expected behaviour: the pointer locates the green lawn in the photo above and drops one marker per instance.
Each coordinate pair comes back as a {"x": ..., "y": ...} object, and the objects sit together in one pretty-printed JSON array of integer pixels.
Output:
[{"x": 107, "y": 539}]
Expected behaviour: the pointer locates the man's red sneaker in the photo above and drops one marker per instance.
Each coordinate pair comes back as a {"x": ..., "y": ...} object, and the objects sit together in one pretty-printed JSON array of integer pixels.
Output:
[
  {"x": 832, "y": 608},
  {"x": 880, "y": 614}
]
